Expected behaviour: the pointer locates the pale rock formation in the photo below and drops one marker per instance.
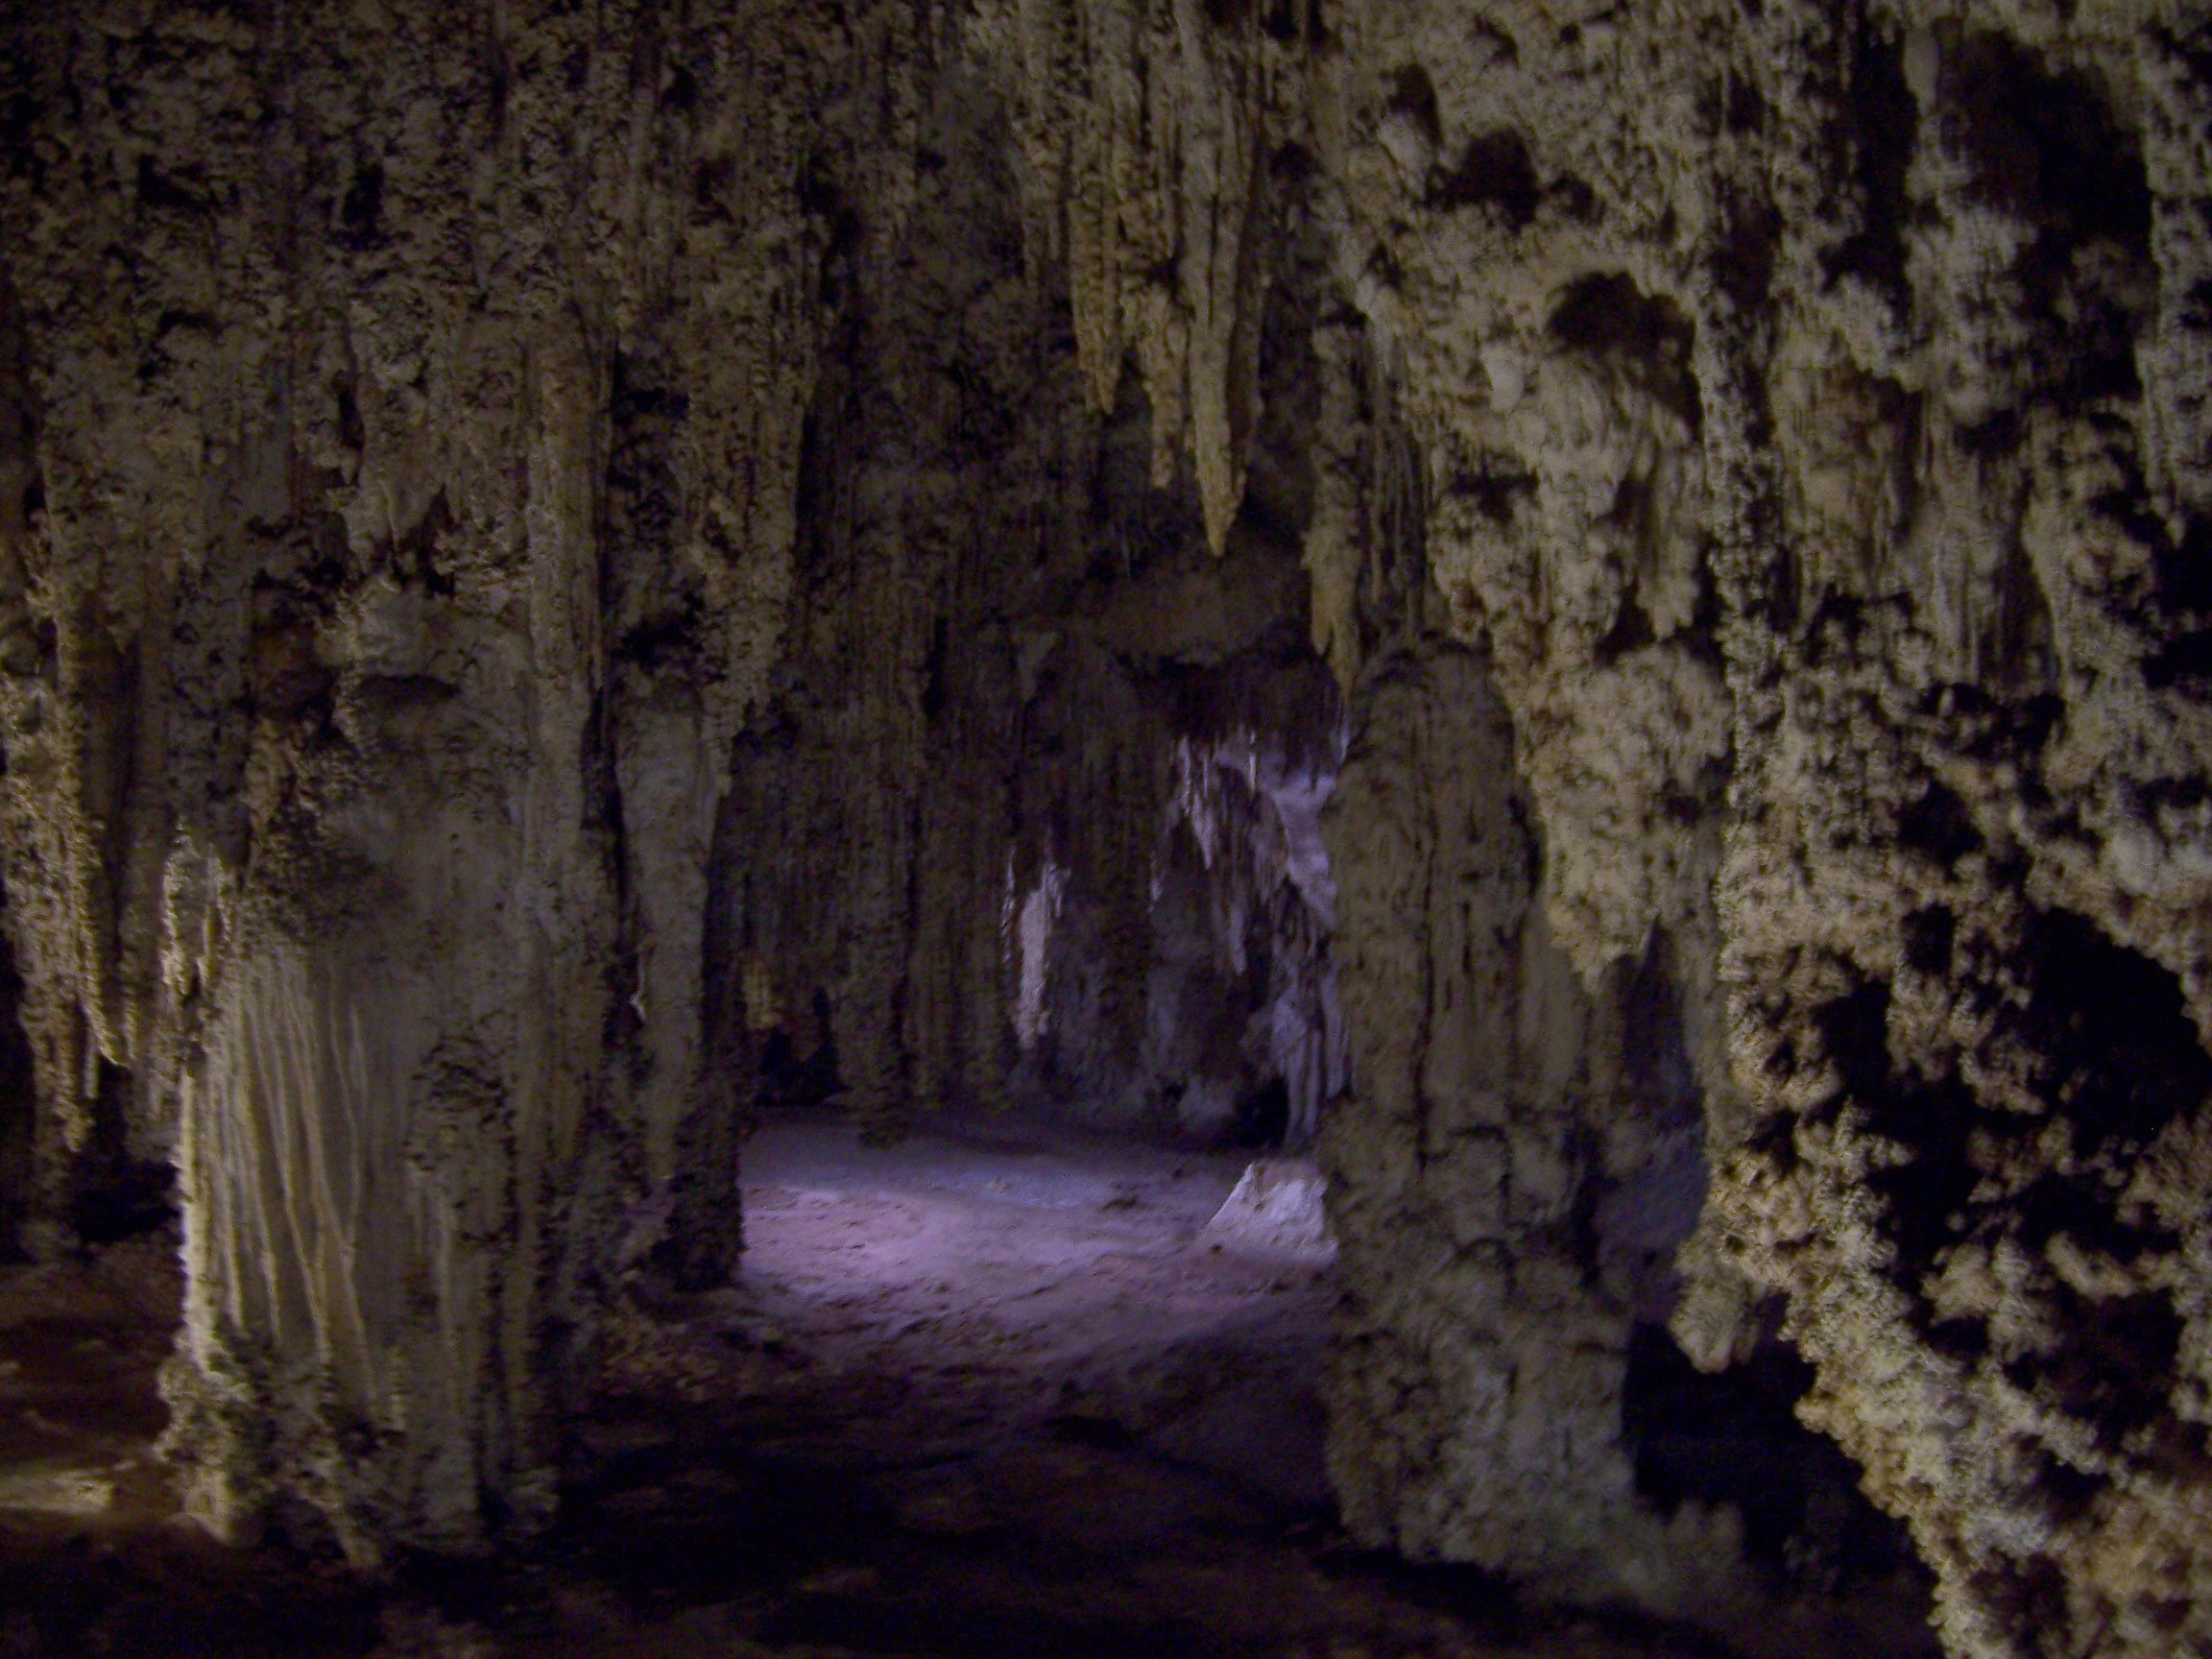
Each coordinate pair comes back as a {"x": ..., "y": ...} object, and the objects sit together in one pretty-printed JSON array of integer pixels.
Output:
[
  {"x": 1279, "y": 1205},
  {"x": 1489, "y": 1293},
  {"x": 389, "y": 579}
]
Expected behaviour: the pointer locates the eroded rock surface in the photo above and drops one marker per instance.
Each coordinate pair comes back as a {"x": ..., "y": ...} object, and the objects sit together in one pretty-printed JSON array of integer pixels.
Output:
[{"x": 383, "y": 608}]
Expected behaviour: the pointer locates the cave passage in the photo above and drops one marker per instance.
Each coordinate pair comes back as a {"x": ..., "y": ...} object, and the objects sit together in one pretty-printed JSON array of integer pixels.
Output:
[
  {"x": 1222, "y": 1026},
  {"x": 1127, "y": 1252}
]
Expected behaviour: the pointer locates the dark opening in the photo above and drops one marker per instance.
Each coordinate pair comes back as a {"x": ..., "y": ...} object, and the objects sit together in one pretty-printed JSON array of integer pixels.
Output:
[
  {"x": 1643, "y": 338},
  {"x": 115, "y": 1193},
  {"x": 1735, "y": 1438},
  {"x": 1495, "y": 171},
  {"x": 799, "y": 1068}
]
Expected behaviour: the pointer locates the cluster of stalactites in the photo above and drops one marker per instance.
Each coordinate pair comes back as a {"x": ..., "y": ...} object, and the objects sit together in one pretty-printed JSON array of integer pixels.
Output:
[
  {"x": 1143, "y": 128},
  {"x": 1250, "y": 803}
]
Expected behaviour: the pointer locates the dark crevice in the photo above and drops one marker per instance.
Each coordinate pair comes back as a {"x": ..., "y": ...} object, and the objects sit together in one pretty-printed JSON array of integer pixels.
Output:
[
  {"x": 361, "y": 212},
  {"x": 1884, "y": 121},
  {"x": 800, "y": 1068},
  {"x": 1644, "y": 339},
  {"x": 1495, "y": 172},
  {"x": 2185, "y": 573},
  {"x": 1938, "y": 826},
  {"x": 1413, "y": 97},
  {"x": 2119, "y": 1052},
  {"x": 1929, "y": 933},
  {"x": 1735, "y": 1439},
  {"x": 1930, "y": 1122},
  {"x": 2047, "y": 148},
  {"x": 1631, "y": 631},
  {"x": 113, "y": 1193}
]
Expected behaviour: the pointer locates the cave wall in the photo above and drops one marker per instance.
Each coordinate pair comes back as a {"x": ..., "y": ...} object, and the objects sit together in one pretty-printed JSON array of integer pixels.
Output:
[
  {"x": 529, "y": 548},
  {"x": 1802, "y": 410},
  {"x": 1800, "y": 401},
  {"x": 387, "y": 573},
  {"x": 1521, "y": 1159},
  {"x": 1965, "y": 926}
]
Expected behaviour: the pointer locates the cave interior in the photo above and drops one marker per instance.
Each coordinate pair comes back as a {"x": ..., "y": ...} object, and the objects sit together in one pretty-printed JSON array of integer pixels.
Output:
[{"x": 949, "y": 828}]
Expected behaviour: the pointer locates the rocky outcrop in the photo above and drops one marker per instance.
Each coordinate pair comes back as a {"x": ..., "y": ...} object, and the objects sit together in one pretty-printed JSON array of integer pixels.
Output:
[
  {"x": 546, "y": 565},
  {"x": 1964, "y": 926}
]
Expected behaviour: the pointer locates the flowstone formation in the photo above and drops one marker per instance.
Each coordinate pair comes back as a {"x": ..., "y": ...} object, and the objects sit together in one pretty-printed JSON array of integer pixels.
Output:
[
  {"x": 553, "y": 574},
  {"x": 1536, "y": 1150},
  {"x": 387, "y": 564}
]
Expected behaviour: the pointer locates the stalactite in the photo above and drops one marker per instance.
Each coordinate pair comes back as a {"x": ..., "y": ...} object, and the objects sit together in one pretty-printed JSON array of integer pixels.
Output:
[{"x": 1146, "y": 127}]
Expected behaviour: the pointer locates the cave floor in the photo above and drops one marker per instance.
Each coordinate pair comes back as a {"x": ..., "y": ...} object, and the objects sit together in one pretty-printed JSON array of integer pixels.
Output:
[{"x": 989, "y": 1392}]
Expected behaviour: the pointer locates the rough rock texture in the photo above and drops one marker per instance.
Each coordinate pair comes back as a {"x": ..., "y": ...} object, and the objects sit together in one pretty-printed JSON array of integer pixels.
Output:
[
  {"x": 1812, "y": 403},
  {"x": 392, "y": 568},
  {"x": 548, "y": 565},
  {"x": 1807, "y": 419},
  {"x": 1478, "y": 1379},
  {"x": 1964, "y": 899},
  {"x": 481, "y": 666}
]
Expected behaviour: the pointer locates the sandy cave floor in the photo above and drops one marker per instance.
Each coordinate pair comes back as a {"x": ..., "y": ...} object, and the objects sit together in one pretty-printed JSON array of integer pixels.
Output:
[{"x": 990, "y": 1392}]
